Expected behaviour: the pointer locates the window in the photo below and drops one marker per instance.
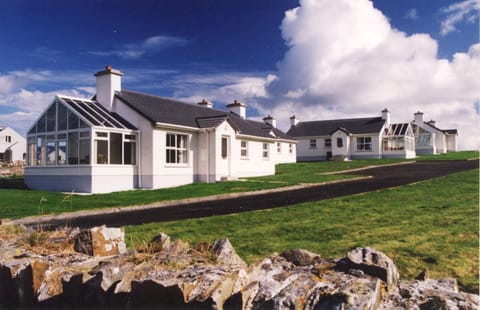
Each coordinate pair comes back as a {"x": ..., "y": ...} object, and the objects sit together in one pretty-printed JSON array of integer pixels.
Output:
[
  {"x": 279, "y": 147},
  {"x": 73, "y": 148},
  {"x": 395, "y": 144},
  {"x": 129, "y": 150},
  {"x": 115, "y": 148},
  {"x": 364, "y": 144},
  {"x": 265, "y": 150},
  {"x": 8, "y": 139},
  {"x": 339, "y": 142},
  {"x": 244, "y": 149},
  {"x": 52, "y": 118},
  {"x": 290, "y": 148},
  {"x": 101, "y": 148},
  {"x": 51, "y": 152},
  {"x": 224, "y": 147},
  {"x": 328, "y": 143},
  {"x": 313, "y": 143},
  {"x": 176, "y": 149}
]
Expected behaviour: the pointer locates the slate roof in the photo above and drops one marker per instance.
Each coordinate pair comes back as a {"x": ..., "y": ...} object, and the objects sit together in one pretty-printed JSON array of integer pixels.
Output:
[
  {"x": 325, "y": 128},
  {"x": 170, "y": 111}
]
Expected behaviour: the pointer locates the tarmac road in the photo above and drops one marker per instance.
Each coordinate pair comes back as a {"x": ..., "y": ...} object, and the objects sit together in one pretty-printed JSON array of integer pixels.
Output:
[{"x": 381, "y": 177}]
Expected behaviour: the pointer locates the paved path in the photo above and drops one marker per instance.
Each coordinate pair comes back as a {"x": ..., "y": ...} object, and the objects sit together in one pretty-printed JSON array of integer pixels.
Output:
[{"x": 374, "y": 179}]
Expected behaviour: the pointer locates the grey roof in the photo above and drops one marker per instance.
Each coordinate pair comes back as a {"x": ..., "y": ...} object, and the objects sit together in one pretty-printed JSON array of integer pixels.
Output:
[
  {"x": 325, "y": 128},
  {"x": 451, "y": 131},
  {"x": 170, "y": 111}
]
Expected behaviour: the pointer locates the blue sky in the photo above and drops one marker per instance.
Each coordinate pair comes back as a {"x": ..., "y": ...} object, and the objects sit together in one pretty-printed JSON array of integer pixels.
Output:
[{"x": 250, "y": 50}]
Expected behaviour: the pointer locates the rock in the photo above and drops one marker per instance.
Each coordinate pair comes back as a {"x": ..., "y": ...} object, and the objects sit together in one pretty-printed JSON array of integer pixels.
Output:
[
  {"x": 160, "y": 242},
  {"x": 301, "y": 257},
  {"x": 422, "y": 276},
  {"x": 101, "y": 241},
  {"x": 226, "y": 254},
  {"x": 375, "y": 263}
]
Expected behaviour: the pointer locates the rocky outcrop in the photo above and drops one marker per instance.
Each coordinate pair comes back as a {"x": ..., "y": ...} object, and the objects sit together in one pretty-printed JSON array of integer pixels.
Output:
[{"x": 47, "y": 271}]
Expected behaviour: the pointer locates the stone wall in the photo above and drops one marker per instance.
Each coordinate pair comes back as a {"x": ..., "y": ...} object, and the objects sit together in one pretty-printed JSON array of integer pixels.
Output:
[{"x": 70, "y": 268}]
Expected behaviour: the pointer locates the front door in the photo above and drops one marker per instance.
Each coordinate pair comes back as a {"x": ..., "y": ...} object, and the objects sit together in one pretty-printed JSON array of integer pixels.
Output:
[{"x": 225, "y": 157}]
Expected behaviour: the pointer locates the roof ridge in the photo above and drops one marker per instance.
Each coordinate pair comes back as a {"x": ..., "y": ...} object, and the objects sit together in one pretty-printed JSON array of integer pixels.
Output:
[{"x": 342, "y": 119}]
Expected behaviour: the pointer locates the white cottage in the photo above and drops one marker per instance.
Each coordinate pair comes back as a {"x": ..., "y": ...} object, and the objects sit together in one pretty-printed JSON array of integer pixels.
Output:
[
  {"x": 121, "y": 140},
  {"x": 430, "y": 139},
  {"x": 12, "y": 145},
  {"x": 372, "y": 137}
]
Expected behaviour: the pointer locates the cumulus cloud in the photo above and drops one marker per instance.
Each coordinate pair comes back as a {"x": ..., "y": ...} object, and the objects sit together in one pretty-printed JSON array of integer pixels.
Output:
[
  {"x": 346, "y": 60},
  {"x": 455, "y": 13},
  {"x": 151, "y": 45}
]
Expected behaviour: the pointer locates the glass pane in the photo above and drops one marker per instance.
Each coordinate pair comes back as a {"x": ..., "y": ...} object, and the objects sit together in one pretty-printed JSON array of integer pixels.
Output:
[
  {"x": 224, "y": 148},
  {"x": 72, "y": 120},
  {"x": 41, "y": 123},
  {"x": 41, "y": 151},
  {"x": 62, "y": 153},
  {"x": 101, "y": 151},
  {"x": 116, "y": 148},
  {"x": 129, "y": 153},
  {"x": 32, "y": 147},
  {"x": 51, "y": 153},
  {"x": 62, "y": 117},
  {"x": 73, "y": 148},
  {"x": 52, "y": 118},
  {"x": 85, "y": 151}
]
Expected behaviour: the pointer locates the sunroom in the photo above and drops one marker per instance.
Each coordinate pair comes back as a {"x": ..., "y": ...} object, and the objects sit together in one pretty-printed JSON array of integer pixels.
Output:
[
  {"x": 399, "y": 141},
  {"x": 79, "y": 146}
]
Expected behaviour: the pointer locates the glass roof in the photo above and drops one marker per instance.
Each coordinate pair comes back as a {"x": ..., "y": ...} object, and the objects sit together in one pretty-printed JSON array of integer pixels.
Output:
[{"x": 95, "y": 113}]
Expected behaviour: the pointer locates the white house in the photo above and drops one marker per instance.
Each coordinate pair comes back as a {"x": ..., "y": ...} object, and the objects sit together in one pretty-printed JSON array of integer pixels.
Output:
[
  {"x": 12, "y": 145},
  {"x": 430, "y": 139},
  {"x": 373, "y": 137},
  {"x": 121, "y": 140}
]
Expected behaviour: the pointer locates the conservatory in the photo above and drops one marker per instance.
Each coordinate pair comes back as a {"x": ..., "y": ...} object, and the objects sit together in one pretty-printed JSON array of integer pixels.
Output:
[{"x": 77, "y": 145}]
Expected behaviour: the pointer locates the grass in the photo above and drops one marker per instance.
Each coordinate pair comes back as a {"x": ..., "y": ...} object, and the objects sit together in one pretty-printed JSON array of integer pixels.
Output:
[
  {"x": 451, "y": 156},
  {"x": 21, "y": 203},
  {"x": 432, "y": 224}
]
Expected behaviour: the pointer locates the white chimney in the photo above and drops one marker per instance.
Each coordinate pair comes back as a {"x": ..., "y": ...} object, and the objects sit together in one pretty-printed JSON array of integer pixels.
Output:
[
  {"x": 293, "y": 121},
  {"x": 432, "y": 122},
  {"x": 386, "y": 117},
  {"x": 270, "y": 120},
  {"x": 418, "y": 117},
  {"x": 205, "y": 103},
  {"x": 108, "y": 82},
  {"x": 238, "y": 108}
]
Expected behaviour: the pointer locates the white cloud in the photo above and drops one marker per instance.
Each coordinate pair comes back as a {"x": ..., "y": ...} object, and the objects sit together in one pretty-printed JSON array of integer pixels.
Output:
[
  {"x": 461, "y": 11},
  {"x": 151, "y": 45},
  {"x": 411, "y": 14},
  {"x": 345, "y": 60}
]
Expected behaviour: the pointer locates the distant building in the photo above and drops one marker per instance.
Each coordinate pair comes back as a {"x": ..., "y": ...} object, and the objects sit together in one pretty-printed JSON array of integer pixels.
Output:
[
  {"x": 121, "y": 140},
  {"x": 429, "y": 139},
  {"x": 355, "y": 138},
  {"x": 12, "y": 145}
]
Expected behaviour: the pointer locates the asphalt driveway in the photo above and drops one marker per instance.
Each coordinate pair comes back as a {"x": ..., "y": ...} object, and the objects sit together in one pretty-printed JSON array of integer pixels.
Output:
[{"x": 378, "y": 178}]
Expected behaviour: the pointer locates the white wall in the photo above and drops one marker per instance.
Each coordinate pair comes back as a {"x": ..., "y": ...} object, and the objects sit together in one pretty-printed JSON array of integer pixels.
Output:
[
  {"x": 284, "y": 156},
  {"x": 306, "y": 153},
  {"x": 376, "y": 147},
  {"x": 345, "y": 149}
]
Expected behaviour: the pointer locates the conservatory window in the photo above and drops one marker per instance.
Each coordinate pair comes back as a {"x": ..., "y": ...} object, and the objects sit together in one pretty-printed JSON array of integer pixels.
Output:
[
  {"x": 52, "y": 118},
  {"x": 115, "y": 148},
  {"x": 73, "y": 148},
  {"x": 129, "y": 150},
  {"x": 101, "y": 148}
]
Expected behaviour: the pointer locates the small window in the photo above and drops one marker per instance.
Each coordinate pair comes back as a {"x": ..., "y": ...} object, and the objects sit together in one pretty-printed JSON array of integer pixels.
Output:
[
  {"x": 279, "y": 147},
  {"x": 328, "y": 143},
  {"x": 339, "y": 142},
  {"x": 8, "y": 139},
  {"x": 313, "y": 143},
  {"x": 290, "y": 148},
  {"x": 244, "y": 149},
  {"x": 224, "y": 147},
  {"x": 265, "y": 150}
]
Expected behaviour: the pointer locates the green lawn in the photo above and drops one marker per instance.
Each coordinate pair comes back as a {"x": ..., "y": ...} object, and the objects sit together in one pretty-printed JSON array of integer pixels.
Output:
[
  {"x": 21, "y": 203},
  {"x": 432, "y": 224}
]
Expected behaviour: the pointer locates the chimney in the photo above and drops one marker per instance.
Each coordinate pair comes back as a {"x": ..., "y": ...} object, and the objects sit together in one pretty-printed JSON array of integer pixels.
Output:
[
  {"x": 205, "y": 103},
  {"x": 270, "y": 121},
  {"x": 238, "y": 108},
  {"x": 293, "y": 121},
  {"x": 432, "y": 122},
  {"x": 386, "y": 117},
  {"x": 108, "y": 82},
  {"x": 418, "y": 117}
]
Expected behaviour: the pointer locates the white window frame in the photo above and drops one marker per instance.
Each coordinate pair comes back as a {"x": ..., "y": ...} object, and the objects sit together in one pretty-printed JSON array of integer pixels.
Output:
[
  {"x": 243, "y": 148},
  {"x": 327, "y": 143},
  {"x": 279, "y": 148},
  {"x": 313, "y": 143},
  {"x": 265, "y": 150},
  {"x": 181, "y": 151},
  {"x": 364, "y": 144}
]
